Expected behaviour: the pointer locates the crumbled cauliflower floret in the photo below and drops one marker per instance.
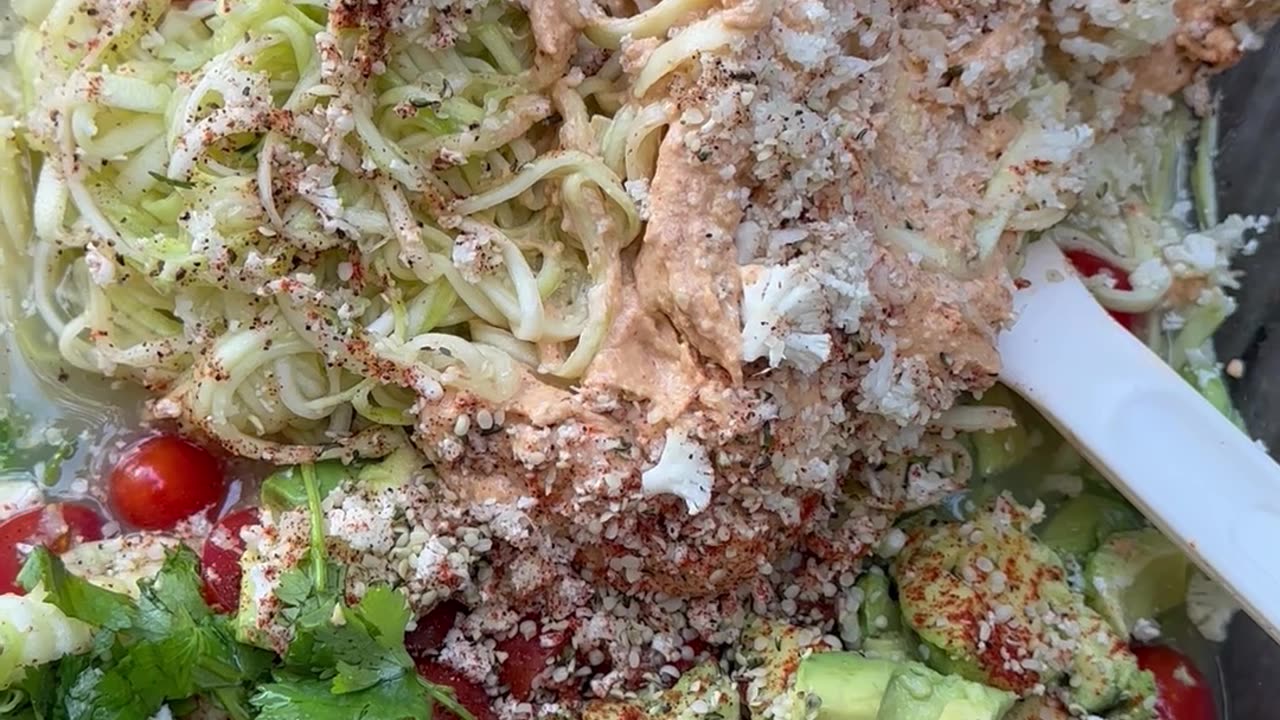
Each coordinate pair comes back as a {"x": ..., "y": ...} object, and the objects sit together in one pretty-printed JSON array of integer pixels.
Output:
[
  {"x": 684, "y": 470},
  {"x": 1210, "y": 607},
  {"x": 783, "y": 316}
]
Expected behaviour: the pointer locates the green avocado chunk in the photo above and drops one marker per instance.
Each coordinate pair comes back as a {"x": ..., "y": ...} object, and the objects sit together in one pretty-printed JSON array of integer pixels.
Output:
[
  {"x": 1084, "y": 521},
  {"x": 880, "y": 631},
  {"x": 1135, "y": 575},
  {"x": 993, "y": 605},
  {"x": 284, "y": 490},
  {"x": 847, "y": 686},
  {"x": 770, "y": 653},
  {"x": 917, "y": 693},
  {"x": 702, "y": 692}
]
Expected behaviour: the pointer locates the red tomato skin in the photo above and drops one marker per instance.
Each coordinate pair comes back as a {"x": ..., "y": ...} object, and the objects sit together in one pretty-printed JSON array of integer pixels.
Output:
[
  {"x": 469, "y": 694},
  {"x": 220, "y": 559},
  {"x": 1175, "y": 698},
  {"x": 1090, "y": 265},
  {"x": 164, "y": 480},
  {"x": 57, "y": 526},
  {"x": 429, "y": 635},
  {"x": 526, "y": 659}
]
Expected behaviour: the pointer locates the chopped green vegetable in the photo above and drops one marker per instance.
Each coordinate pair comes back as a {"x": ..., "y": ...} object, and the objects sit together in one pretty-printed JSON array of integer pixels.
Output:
[
  {"x": 1136, "y": 575},
  {"x": 166, "y": 646},
  {"x": 1001, "y": 450},
  {"x": 1210, "y": 383},
  {"x": 285, "y": 489},
  {"x": 392, "y": 471},
  {"x": 343, "y": 661},
  {"x": 34, "y": 632},
  {"x": 1084, "y": 521}
]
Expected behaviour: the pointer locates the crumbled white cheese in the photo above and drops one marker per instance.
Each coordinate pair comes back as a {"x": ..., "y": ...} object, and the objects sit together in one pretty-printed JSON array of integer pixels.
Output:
[{"x": 684, "y": 469}]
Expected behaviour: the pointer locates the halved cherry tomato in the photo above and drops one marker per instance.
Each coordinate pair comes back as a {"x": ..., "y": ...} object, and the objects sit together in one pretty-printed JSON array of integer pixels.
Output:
[
  {"x": 526, "y": 658},
  {"x": 1090, "y": 265},
  {"x": 470, "y": 695},
  {"x": 220, "y": 560},
  {"x": 164, "y": 480},
  {"x": 432, "y": 628},
  {"x": 58, "y": 526},
  {"x": 1181, "y": 691}
]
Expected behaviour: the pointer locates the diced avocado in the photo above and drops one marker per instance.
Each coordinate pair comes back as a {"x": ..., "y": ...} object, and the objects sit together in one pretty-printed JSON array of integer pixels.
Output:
[
  {"x": 878, "y": 614},
  {"x": 284, "y": 489},
  {"x": 118, "y": 563},
  {"x": 1002, "y": 449},
  {"x": 256, "y": 590},
  {"x": 392, "y": 471},
  {"x": 1136, "y": 574},
  {"x": 1084, "y": 521},
  {"x": 917, "y": 693},
  {"x": 702, "y": 692},
  {"x": 879, "y": 632},
  {"x": 843, "y": 685},
  {"x": 898, "y": 647},
  {"x": 770, "y": 652},
  {"x": 993, "y": 604}
]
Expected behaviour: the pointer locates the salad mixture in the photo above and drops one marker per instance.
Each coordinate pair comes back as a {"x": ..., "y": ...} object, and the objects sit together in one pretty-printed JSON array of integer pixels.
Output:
[{"x": 507, "y": 359}]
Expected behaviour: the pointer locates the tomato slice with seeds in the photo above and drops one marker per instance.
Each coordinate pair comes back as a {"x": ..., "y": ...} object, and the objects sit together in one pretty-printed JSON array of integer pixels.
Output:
[
  {"x": 469, "y": 694},
  {"x": 58, "y": 527},
  {"x": 527, "y": 658},
  {"x": 220, "y": 559},
  {"x": 1181, "y": 690},
  {"x": 164, "y": 480},
  {"x": 1090, "y": 265}
]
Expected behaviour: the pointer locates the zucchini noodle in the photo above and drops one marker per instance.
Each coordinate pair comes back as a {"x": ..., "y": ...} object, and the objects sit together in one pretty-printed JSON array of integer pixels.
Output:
[{"x": 294, "y": 224}]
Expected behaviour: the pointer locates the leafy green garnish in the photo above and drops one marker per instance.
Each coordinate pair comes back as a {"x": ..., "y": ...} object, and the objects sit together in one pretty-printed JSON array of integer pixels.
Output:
[
  {"x": 76, "y": 597},
  {"x": 165, "y": 646},
  {"x": 168, "y": 647},
  {"x": 344, "y": 661}
]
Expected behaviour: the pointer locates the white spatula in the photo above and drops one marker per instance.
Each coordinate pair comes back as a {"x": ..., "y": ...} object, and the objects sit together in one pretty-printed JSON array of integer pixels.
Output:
[{"x": 1193, "y": 473}]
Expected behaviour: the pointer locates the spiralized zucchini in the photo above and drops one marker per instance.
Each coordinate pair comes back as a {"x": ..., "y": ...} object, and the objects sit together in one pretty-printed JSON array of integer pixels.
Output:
[{"x": 293, "y": 224}]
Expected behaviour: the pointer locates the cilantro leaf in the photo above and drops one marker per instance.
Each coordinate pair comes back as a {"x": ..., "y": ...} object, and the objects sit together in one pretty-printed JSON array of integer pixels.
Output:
[
  {"x": 165, "y": 647},
  {"x": 310, "y": 699},
  {"x": 76, "y": 597},
  {"x": 388, "y": 612}
]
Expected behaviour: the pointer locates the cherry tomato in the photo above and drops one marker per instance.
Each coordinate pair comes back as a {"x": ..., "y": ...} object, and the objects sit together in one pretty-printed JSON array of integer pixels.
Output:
[
  {"x": 58, "y": 527},
  {"x": 1090, "y": 265},
  {"x": 526, "y": 659},
  {"x": 469, "y": 694},
  {"x": 432, "y": 628},
  {"x": 220, "y": 560},
  {"x": 164, "y": 480},
  {"x": 1182, "y": 693}
]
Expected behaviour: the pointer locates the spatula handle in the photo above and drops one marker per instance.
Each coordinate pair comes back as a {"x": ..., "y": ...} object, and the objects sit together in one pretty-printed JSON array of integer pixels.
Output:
[{"x": 1193, "y": 473}]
